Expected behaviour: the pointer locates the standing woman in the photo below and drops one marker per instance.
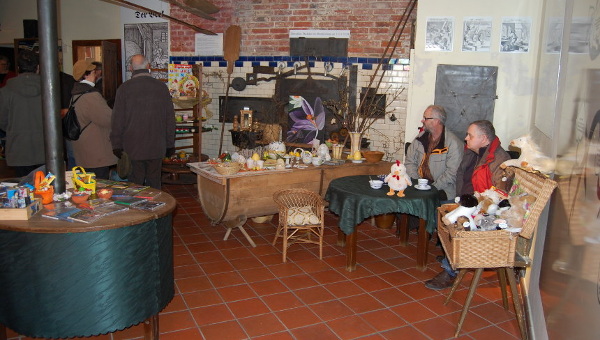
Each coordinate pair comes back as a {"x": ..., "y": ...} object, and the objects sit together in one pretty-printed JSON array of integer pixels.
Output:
[{"x": 93, "y": 150}]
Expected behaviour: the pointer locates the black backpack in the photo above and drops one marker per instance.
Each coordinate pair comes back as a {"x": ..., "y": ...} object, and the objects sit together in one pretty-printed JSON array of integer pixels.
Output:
[{"x": 70, "y": 124}]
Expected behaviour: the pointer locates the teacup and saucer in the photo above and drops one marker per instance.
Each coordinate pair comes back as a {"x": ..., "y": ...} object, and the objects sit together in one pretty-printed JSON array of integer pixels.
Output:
[{"x": 422, "y": 184}]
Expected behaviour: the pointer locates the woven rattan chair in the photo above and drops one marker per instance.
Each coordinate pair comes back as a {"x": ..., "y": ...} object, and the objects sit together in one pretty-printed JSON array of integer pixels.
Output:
[
  {"x": 505, "y": 251},
  {"x": 301, "y": 218}
]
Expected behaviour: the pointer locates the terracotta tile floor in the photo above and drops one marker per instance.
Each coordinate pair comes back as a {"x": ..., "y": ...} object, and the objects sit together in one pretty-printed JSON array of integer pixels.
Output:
[{"x": 229, "y": 290}]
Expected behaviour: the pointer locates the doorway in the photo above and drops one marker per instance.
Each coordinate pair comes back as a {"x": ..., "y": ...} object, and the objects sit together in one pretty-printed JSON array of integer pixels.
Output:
[{"x": 108, "y": 52}]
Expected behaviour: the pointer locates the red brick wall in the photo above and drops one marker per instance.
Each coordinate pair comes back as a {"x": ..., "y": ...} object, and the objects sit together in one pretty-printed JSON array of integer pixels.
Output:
[{"x": 266, "y": 23}]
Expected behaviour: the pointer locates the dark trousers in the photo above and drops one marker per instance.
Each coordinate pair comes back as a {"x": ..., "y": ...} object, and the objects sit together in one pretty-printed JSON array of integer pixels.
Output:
[
  {"x": 21, "y": 171},
  {"x": 146, "y": 172},
  {"x": 102, "y": 172}
]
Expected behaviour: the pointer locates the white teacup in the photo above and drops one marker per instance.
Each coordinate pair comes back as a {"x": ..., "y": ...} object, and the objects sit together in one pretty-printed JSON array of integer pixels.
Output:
[
  {"x": 422, "y": 182},
  {"x": 376, "y": 184},
  {"x": 316, "y": 161}
]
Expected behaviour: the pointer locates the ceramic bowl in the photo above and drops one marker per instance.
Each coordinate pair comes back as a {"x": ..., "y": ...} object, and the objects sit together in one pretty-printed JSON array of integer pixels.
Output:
[
  {"x": 373, "y": 156},
  {"x": 376, "y": 184},
  {"x": 79, "y": 198},
  {"x": 105, "y": 193}
]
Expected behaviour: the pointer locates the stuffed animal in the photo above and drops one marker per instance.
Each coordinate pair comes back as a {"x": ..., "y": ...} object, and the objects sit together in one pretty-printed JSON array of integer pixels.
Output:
[
  {"x": 397, "y": 179},
  {"x": 489, "y": 200},
  {"x": 467, "y": 208},
  {"x": 531, "y": 158},
  {"x": 519, "y": 208}
]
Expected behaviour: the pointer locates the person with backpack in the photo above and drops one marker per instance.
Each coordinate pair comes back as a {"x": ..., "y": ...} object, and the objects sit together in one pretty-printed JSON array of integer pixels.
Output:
[{"x": 93, "y": 150}]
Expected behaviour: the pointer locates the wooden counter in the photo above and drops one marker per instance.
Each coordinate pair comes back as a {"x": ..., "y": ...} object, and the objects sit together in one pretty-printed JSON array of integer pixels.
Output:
[{"x": 250, "y": 193}]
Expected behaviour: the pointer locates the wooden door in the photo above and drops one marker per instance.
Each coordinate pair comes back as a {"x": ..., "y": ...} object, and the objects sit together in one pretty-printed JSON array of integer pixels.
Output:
[
  {"x": 110, "y": 57},
  {"x": 111, "y": 71}
]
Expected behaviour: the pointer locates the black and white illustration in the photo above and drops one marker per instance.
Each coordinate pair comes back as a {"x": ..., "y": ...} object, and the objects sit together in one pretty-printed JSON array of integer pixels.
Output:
[
  {"x": 439, "y": 35},
  {"x": 151, "y": 40},
  {"x": 515, "y": 34},
  {"x": 578, "y": 39},
  {"x": 477, "y": 34}
]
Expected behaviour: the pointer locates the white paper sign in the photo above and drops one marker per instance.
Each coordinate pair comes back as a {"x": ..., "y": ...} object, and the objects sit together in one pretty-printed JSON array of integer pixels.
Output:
[
  {"x": 342, "y": 34},
  {"x": 209, "y": 45}
]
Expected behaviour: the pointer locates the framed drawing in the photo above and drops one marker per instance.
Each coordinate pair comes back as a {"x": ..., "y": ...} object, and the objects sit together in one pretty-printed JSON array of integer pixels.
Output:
[
  {"x": 515, "y": 35},
  {"x": 439, "y": 34},
  {"x": 477, "y": 34}
]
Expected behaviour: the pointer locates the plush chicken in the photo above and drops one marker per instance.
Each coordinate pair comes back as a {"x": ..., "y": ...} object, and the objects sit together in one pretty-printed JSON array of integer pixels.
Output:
[{"x": 397, "y": 180}]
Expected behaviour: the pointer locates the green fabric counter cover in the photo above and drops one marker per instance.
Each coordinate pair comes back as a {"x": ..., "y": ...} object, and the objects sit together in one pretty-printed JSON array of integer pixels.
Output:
[
  {"x": 83, "y": 284},
  {"x": 353, "y": 200}
]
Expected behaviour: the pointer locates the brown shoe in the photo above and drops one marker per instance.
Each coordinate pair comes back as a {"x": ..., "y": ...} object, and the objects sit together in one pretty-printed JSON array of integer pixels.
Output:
[{"x": 441, "y": 281}]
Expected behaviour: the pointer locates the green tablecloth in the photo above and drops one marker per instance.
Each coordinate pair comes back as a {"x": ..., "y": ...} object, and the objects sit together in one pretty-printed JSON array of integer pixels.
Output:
[
  {"x": 80, "y": 284},
  {"x": 353, "y": 200}
]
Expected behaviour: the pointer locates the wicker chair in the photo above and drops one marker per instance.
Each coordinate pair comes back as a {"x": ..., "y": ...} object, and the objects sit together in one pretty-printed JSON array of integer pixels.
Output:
[
  {"x": 503, "y": 250},
  {"x": 301, "y": 216}
]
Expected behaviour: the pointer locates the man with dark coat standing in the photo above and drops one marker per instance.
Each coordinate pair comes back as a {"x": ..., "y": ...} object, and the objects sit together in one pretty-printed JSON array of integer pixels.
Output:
[
  {"x": 21, "y": 116},
  {"x": 143, "y": 123}
]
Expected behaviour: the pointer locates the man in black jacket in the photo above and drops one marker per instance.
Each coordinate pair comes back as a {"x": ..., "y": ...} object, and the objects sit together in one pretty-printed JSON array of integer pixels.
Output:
[{"x": 143, "y": 123}]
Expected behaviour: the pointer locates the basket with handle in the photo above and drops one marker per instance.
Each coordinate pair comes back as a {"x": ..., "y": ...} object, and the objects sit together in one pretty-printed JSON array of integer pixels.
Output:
[
  {"x": 494, "y": 249},
  {"x": 82, "y": 179},
  {"x": 227, "y": 168}
]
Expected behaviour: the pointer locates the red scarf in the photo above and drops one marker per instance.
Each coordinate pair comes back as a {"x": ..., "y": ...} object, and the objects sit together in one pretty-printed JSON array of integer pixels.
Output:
[{"x": 482, "y": 176}]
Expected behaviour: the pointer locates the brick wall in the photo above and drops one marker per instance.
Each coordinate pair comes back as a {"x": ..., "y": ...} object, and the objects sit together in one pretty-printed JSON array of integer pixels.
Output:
[
  {"x": 266, "y": 23},
  {"x": 265, "y": 41}
]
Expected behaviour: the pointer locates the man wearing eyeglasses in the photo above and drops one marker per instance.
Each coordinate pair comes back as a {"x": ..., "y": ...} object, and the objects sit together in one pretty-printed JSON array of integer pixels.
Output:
[{"x": 435, "y": 153}]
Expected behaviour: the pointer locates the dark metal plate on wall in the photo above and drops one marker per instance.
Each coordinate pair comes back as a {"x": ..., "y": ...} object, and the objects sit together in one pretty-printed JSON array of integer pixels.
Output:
[
  {"x": 319, "y": 47},
  {"x": 467, "y": 93}
]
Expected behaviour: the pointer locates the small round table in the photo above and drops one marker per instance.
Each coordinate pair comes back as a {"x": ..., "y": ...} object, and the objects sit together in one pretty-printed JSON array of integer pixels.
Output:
[
  {"x": 353, "y": 200},
  {"x": 68, "y": 279}
]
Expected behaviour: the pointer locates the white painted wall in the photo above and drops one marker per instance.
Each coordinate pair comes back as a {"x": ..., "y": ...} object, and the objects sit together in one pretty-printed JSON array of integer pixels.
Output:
[
  {"x": 516, "y": 71},
  {"x": 77, "y": 20}
]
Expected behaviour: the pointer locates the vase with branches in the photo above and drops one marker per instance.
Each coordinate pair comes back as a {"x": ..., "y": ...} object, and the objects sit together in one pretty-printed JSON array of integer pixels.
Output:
[{"x": 369, "y": 110}]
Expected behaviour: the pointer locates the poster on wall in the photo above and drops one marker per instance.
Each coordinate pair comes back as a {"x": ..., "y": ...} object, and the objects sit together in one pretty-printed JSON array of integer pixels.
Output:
[
  {"x": 439, "y": 34},
  {"x": 515, "y": 34},
  {"x": 151, "y": 40},
  {"x": 135, "y": 37},
  {"x": 477, "y": 33},
  {"x": 578, "y": 39}
]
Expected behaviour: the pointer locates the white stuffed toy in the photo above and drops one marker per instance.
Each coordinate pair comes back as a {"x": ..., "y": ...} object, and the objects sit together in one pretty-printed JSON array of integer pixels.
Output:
[
  {"x": 467, "y": 208},
  {"x": 397, "y": 179},
  {"x": 531, "y": 158}
]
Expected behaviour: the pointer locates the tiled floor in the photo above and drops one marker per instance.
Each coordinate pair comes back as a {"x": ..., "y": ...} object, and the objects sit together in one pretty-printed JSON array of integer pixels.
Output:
[{"x": 229, "y": 290}]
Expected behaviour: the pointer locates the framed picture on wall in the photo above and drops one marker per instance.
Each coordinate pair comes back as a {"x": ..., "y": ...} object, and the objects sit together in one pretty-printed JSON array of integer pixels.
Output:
[
  {"x": 439, "y": 34},
  {"x": 515, "y": 35},
  {"x": 477, "y": 34}
]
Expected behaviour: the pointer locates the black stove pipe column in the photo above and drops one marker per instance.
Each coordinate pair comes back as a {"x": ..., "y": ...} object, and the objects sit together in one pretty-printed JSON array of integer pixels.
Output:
[{"x": 48, "y": 37}]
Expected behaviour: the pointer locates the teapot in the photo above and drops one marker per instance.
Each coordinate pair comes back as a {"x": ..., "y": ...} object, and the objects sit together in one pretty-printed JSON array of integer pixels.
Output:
[
  {"x": 323, "y": 152},
  {"x": 306, "y": 157}
]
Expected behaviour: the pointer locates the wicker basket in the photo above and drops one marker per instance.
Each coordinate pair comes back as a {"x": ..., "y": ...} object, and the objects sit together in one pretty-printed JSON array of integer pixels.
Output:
[
  {"x": 493, "y": 249},
  {"x": 227, "y": 168},
  {"x": 476, "y": 249}
]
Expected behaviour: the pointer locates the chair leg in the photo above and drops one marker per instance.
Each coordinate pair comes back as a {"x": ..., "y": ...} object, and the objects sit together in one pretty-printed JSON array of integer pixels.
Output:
[
  {"x": 472, "y": 289},
  {"x": 285, "y": 244},
  {"x": 517, "y": 301},
  {"x": 457, "y": 280},
  {"x": 502, "y": 279}
]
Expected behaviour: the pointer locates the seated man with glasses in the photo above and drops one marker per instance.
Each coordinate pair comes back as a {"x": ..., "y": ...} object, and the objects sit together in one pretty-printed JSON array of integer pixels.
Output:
[{"x": 435, "y": 153}]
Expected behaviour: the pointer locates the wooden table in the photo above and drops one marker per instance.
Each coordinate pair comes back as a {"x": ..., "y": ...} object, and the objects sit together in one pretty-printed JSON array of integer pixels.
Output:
[
  {"x": 69, "y": 279},
  {"x": 353, "y": 200},
  {"x": 250, "y": 193}
]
